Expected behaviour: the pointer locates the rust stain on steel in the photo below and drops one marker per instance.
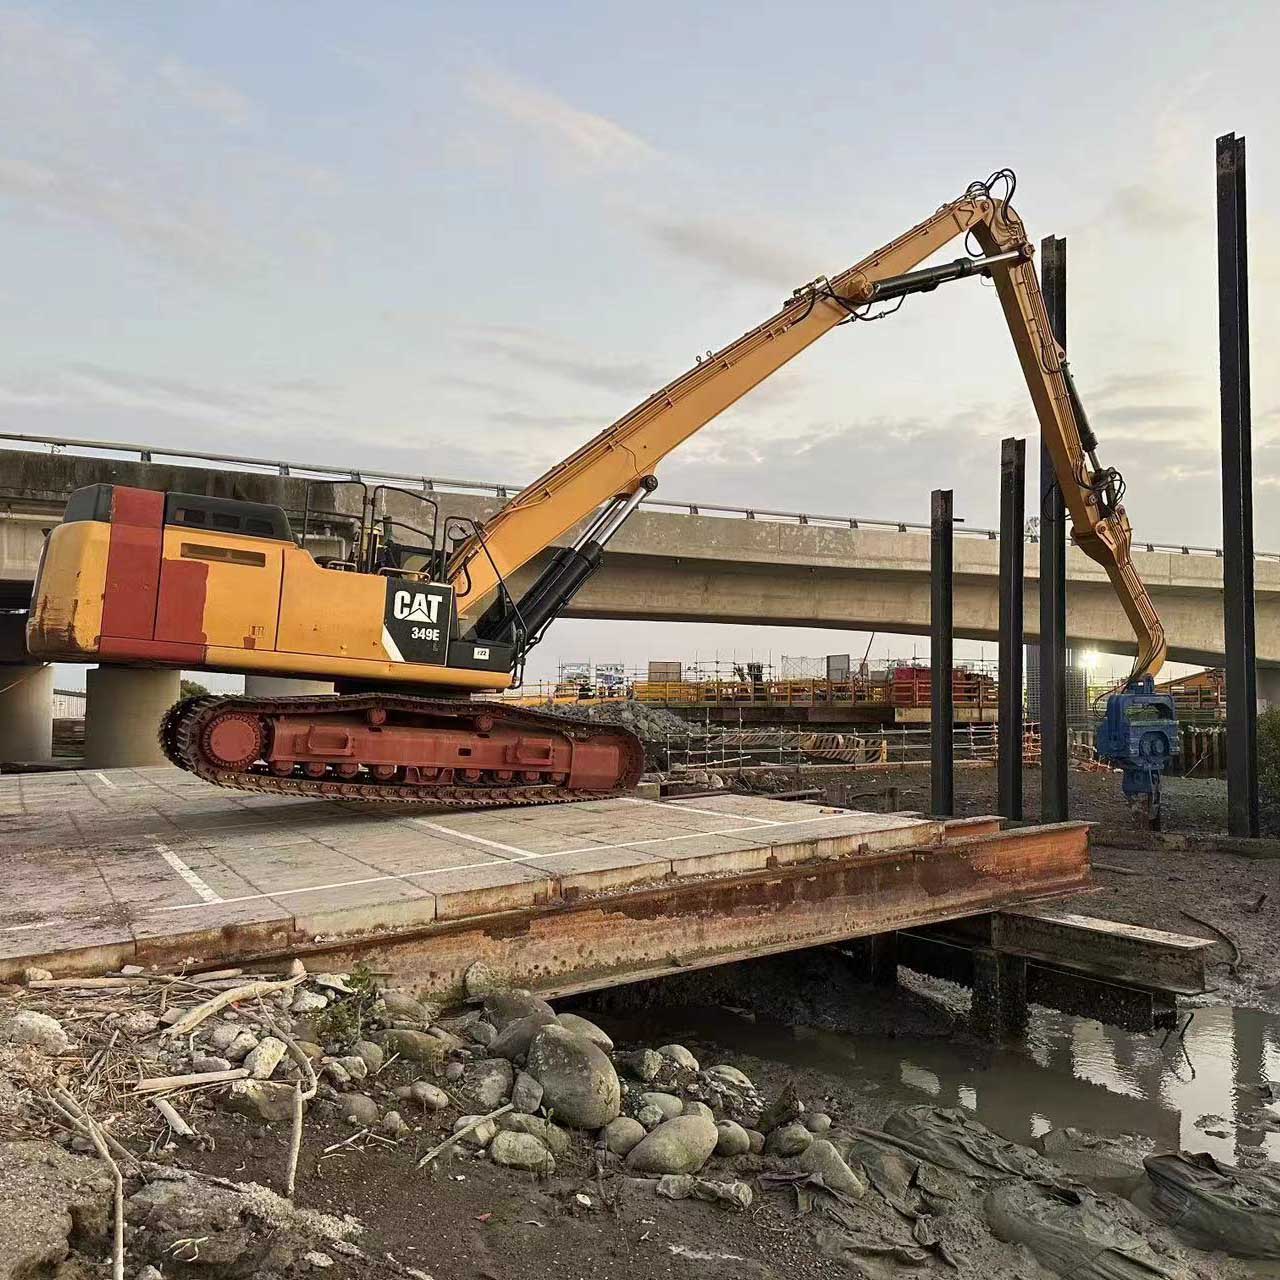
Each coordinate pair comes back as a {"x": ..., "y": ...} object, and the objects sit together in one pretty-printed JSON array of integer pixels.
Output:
[{"x": 564, "y": 947}]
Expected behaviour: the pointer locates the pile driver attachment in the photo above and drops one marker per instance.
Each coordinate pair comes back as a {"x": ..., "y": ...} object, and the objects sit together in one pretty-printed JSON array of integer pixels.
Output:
[{"x": 1139, "y": 736}]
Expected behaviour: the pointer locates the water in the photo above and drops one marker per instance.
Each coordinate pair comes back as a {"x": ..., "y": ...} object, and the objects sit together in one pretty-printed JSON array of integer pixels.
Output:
[{"x": 1197, "y": 1092}]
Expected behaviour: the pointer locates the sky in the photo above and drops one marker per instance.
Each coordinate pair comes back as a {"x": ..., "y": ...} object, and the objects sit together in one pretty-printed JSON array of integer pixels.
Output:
[{"x": 459, "y": 240}]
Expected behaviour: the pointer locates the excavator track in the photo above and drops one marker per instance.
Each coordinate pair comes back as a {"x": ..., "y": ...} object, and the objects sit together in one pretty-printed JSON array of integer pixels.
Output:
[{"x": 185, "y": 735}]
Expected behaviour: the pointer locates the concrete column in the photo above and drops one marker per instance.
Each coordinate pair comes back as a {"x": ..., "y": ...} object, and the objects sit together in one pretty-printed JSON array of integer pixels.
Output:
[
  {"x": 123, "y": 709},
  {"x": 26, "y": 711},
  {"x": 279, "y": 687},
  {"x": 1268, "y": 688}
]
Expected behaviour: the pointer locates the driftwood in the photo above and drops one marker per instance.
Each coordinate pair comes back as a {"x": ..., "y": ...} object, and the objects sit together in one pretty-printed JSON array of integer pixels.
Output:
[
  {"x": 162, "y": 1084},
  {"x": 250, "y": 991},
  {"x": 172, "y": 1118}
]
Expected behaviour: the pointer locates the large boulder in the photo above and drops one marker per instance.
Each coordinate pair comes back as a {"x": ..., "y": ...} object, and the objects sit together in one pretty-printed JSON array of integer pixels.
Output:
[
  {"x": 30, "y": 1027},
  {"x": 521, "y": 1151},
  {"x": 488, "y": 1083},
  {"x": 579, "y": 1085},
  {"x": 732, "y": 1139},
  {"x": 504, "y": 1007},
  {"x": 587, "y": 1030},
  {"x": 260, "y": 1100},
  {"x": 512, "y": 1042},
  {"x": 682, "y": 1145},
  {"x": 552, "y": 1136},
  {"x": 415, "y": 1046}
]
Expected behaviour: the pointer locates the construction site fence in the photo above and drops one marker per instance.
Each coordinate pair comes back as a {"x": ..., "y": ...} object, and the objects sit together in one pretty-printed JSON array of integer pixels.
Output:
[{"x": 1203, "y": 749}]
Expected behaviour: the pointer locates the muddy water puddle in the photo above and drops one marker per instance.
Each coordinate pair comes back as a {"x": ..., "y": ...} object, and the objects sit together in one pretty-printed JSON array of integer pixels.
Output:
[{"x": 1202, "y": 1089}]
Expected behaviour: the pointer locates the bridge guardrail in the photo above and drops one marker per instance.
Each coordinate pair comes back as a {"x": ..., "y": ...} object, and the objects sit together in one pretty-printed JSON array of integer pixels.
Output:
[{"x": 432, "y": 484}]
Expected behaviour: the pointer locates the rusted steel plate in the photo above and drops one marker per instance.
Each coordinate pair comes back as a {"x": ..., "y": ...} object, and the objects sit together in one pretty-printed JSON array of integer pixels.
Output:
[{"x": 592, "y": 942}]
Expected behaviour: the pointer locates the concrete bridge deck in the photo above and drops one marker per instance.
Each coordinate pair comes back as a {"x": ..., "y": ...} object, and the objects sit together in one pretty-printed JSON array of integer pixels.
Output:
[
  {"x": 704, "y": 568},
  {"x": 153, "y": 866}
]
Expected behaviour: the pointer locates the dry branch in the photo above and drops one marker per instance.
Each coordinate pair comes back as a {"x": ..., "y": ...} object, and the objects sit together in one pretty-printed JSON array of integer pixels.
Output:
[
  {"x": 162, "y": 1084},
  {"x": 250, "y": 991}
]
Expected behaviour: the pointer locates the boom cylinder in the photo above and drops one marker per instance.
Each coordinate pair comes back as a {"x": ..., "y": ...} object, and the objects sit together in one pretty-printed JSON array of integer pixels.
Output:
[{"x": 560, "y": 581}]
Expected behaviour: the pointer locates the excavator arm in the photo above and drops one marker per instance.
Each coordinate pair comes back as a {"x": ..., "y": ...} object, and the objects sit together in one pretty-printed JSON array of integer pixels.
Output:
[{"x": 616, "y": 467}]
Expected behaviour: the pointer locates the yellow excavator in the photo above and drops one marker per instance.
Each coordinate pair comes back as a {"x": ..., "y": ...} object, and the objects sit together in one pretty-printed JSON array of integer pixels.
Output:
[{"x": 142, "y": 577}]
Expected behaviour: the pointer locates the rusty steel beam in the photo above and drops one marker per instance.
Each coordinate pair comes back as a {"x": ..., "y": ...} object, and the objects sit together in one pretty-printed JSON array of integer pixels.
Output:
[{"x": 645, "y": 932}]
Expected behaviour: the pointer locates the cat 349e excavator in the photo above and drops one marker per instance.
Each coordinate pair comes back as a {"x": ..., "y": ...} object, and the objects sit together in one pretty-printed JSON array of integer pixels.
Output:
[{"x": 133, "y": 576}]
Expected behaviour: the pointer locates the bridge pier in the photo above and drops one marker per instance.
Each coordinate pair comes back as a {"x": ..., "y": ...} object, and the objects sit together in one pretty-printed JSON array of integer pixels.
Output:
[
  {"x": 123, "y": 709},
  {"x": 26, "y": 711},
  {"x": 1268, "y": 688},
  {"x": 280, "y": 687}
]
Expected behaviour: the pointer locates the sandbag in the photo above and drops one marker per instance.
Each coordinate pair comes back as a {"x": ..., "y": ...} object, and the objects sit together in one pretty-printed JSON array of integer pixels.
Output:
[
  {"x": 1214, "y": 1206},
  {"x": 1074, "y": 1233},
  {"x": 952, "y": 1138}
]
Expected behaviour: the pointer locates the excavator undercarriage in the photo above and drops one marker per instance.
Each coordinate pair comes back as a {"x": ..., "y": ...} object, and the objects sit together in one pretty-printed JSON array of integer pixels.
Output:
[{"x": 392, "y": 747}]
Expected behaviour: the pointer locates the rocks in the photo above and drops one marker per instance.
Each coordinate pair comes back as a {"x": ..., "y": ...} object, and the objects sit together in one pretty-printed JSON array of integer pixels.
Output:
[
  {"x": 222, "y": 1035},
  {"x": 521, "y": 1151},
  {"x": 756, "y": 1138},
  {"x": 33, "y": 974},
  {"x": 731, "y": 1076},
  {"x": 822, "y": 1158},
  {"x": 358, "y": 1108},
  {"x": 28, "y": 1027},
  {"x": 429, "y": 1095},
  {"x": 404, "y": 1004},
  {"x": 788, "y": 1140},
  {"x": 526, "y": 1093},
  {"x": 642, "y": 1065},
  {"x": 695, "y": 1108},
  {"x": 817, "y": 1122},
  {"x": 785, "y": 1108},
  {"x": 415, "y": 1046},
  {"x": 505, "y": 1007},
  {"x": 260, "y": 1100},
  {"x": 513, "y": 1040},
  {"x": 483, "y": 980},
  {"x": 209, "y": 1062},
  {"x": 47, "y": 1194},
  {"x": 394, "y": 1125},
  {"x": 668, "y": 1103},
  {"x": 587, "y": 1029},
  {"x": 650, "y": 1117},
  {"x": 552, "y": 1136},
  {"x": 137, "y": 1023},
  {"x": 480, "y": 1136},
  {"x": 732, "y": 1139},
  {"x": 488, "y": 1084},
  {"x": 579, "y": 1085},
  {"x": 264, "y": 1057},
  {"x": 371, "y": 1054},
  {"x": 453, "y": 1071},
  {"x": 483, "y": 1033},
  {"x": 682, "y": 1145},
  {"x": 241, "y": 1047},
  {"x": 679, "y": 1055},
  {"x": 622, "y": 1134},
  {"x": 305, "y": 1002},
  {"x": 243, "y": 1230},
  {"x": 353, "y": 1065}
]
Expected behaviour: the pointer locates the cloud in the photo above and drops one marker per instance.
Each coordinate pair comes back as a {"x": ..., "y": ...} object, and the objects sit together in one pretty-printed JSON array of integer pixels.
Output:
[
  {"x": 1154, "y": 208},
  {"x": 587, "y": 139},
  {"x": 96, "y": 138},
  {"x": 85, "y": 388},
  {"x": 744, "y": 250},
  {"x": 206, "y": 93},
  {"x": 548, "y": 354}
]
